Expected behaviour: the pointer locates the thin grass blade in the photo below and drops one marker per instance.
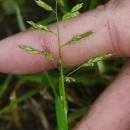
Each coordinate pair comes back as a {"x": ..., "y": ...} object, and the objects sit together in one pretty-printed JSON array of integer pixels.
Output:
[{"x": 61, "y": 115}]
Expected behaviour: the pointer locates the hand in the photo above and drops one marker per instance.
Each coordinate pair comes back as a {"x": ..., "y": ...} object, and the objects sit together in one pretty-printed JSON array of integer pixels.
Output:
[{"x": 111, "y": 26}]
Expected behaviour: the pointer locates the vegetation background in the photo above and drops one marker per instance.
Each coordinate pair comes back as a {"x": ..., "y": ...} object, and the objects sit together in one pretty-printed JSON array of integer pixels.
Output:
[{"x": 26, "y": 101}]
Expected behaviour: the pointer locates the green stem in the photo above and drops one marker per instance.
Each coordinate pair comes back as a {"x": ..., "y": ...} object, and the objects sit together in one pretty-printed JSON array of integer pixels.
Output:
[
  {"x": 57, "y": 23},
  {"x": 61, "y": 79},
  {"x": 74, "y": 71}
]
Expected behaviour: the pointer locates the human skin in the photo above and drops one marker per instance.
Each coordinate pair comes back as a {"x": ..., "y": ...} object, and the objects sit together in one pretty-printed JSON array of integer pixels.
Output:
[{"x": 111, "y": 26}]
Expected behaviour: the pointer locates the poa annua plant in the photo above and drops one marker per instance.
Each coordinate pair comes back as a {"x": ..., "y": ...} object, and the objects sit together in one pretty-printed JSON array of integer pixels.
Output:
[{"x": 60, "y": 95}]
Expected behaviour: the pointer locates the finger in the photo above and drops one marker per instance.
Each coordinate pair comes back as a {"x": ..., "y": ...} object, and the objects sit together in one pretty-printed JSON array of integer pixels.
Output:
[
  {"x": 111, "y": 110},
  {"x": 104, "y": 40}
]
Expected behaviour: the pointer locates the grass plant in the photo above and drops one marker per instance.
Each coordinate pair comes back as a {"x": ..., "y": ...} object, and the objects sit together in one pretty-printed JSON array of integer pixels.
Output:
[{"x": 62, "y": 96}]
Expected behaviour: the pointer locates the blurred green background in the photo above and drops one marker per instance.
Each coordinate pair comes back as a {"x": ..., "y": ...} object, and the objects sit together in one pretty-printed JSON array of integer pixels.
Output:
[{"x": 26, "y": 101}]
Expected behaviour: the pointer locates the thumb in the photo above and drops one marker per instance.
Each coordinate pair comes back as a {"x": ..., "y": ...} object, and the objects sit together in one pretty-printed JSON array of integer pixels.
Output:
[
  {"x": 15, "y": 60},
  {"x": 111, "y": 109}
]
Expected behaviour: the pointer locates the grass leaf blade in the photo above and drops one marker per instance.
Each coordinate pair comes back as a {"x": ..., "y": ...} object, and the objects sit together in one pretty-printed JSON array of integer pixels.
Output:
[
  {"x": 61, "y": 115},
  {"x": 22, "y": 98}
]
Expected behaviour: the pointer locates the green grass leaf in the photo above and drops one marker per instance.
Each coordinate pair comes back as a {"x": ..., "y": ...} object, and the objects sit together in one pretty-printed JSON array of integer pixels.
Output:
[
  {"x": 34, "y": 51},
  {"x": 63, "y": 94},
  {"x": 61, "y": 115},
  {"x": 64, "y": 5},
  {"x": 77, "y": 7},
  {"x": 44, "y": 5},
  {"x": 4, "y": 86},
  {"x": 77, "y": 38},
  {"x": 22, "y": 98},
  {"x": 39, "y": 26}
]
